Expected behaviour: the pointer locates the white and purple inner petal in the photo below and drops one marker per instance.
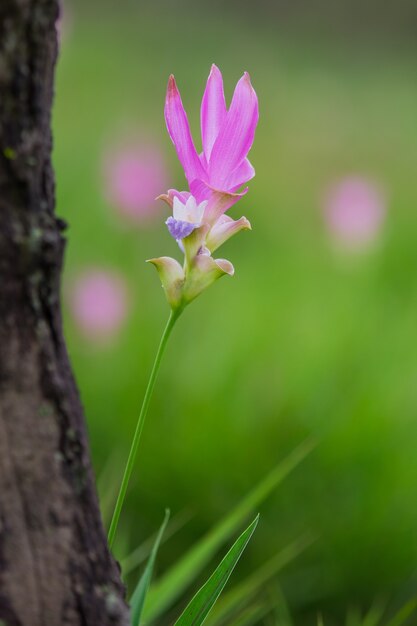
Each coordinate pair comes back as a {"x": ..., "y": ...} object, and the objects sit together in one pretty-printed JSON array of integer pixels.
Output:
[
  {"x": 179, "y": 229},
  {"x": 186, "y": 217}
]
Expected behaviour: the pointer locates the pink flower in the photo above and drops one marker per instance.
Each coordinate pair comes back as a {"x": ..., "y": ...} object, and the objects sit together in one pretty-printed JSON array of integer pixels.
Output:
[
  {"x": 354, "y": 210},
  {"x": 198, "y": 222},
  {"x": 99, "y": 303},
  {"x": 133, "y": 176},
  {"x": 222, "y": 168}
]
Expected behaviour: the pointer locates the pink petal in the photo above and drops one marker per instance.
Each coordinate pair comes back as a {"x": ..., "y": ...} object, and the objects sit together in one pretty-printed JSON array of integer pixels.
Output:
[
  {"x": 203, "y": 160},
  {"x": 179, "y": 131},
  {"x": 173, "y": 193},
  {"x": 236, "y": 135},
  {"x": 244, "y": 172},
  {"x": 200, "y": 190},
  {"x": 225, "y": 266},
  {"x": 213, "y": 110},
  {"x": 223, "y": 229},
  {"x": 181, "y": 195},
  {"x": 218, "y": 201}
]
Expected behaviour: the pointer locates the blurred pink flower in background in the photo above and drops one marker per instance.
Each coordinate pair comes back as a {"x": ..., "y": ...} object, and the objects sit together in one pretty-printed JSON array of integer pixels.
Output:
[
  {"x": 98, "y": 300},
  {"x": 354, "y": 210},
  {"x": 134, "y": 175},
  {"x": 64, "y": 22}
]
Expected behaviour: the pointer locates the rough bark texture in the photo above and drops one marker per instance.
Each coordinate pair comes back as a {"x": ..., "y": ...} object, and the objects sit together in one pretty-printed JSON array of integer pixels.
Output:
[{"x": 55, "y": 567}]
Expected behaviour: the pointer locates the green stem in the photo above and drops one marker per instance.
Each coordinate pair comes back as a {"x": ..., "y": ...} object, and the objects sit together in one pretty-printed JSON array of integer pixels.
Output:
[{"x": 139, "y": 426}]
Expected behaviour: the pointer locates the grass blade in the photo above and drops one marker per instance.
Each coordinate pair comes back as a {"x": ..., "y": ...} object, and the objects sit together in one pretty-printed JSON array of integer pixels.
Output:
[
  {"x": 241, "y": 594},
  {"x": 138, "y": 597},
  {"x": 130, "y": 562},
  {"x": 404, "y": 613},
  {"x": 203, "y": 601},
  {"x": 165, "y": 591},
  {"x": 374, "y": 615},
  {"x": 107, "y": 485},
  {"x": 282, "y": 611},
  {"x": 251, "y": 615}
]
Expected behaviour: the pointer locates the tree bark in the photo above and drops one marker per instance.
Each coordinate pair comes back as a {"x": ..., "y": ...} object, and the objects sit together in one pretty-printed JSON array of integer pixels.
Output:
[{"x": 55, "y": 566}]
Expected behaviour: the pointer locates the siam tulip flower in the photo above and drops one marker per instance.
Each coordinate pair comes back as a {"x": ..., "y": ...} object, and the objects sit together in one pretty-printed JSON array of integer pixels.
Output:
[
  {"x": 198, "y": 221},
  {"x": 133, "y": 176},
  {"x": 215, "y": 178},
  {"x": 99, "y": 303},
  {"x": 354, "y": 209}
]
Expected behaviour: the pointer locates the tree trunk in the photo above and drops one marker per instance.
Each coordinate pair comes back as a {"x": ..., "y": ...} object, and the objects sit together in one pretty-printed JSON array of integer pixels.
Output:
[{"x": 55, "y": 566}]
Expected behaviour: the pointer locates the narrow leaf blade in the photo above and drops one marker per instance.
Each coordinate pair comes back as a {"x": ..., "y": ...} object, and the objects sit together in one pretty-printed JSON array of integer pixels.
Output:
[
  {"x": 138, "y": 597},
  {"x": 404, "y": 613},
  {"x": 245, "y": 591},
  {"x": 251, "y": 616},
  {"x": 166, "y": 590},
  {"x": 133, "y": 560},
  {"x": 200, "y": 606}
]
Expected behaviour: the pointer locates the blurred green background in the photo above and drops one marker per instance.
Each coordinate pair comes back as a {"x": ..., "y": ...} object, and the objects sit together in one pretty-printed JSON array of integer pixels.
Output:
[{"x": 310, "y": 338}]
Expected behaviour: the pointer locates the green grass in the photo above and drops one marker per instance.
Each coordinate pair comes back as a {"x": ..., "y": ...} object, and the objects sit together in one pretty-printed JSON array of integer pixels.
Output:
[{"x": 303, "y": 341}]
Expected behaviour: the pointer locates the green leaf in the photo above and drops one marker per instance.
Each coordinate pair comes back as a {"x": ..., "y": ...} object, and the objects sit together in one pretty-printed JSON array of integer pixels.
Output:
[
  {"x": 165, "y": 591},
  {"x": 282, "y": 613},
  {"x": 372, "y": 618},
  {"x": 374, "y": 615},
  {"x": 404, "y": 613},
  {"x": 251, "y": 615},
  {"x": 203, "y": 601},
  {"x": 241, "y": 594},
  {"x": 108, "y": 485},
  {"x": 138, "y": 597},
  {"x": 130, "y": 562},
  {"x": 354, "y": 617}
]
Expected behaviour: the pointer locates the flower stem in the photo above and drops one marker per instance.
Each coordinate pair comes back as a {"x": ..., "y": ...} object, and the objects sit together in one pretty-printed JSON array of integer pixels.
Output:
[{"x": 139, "y": 426}]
